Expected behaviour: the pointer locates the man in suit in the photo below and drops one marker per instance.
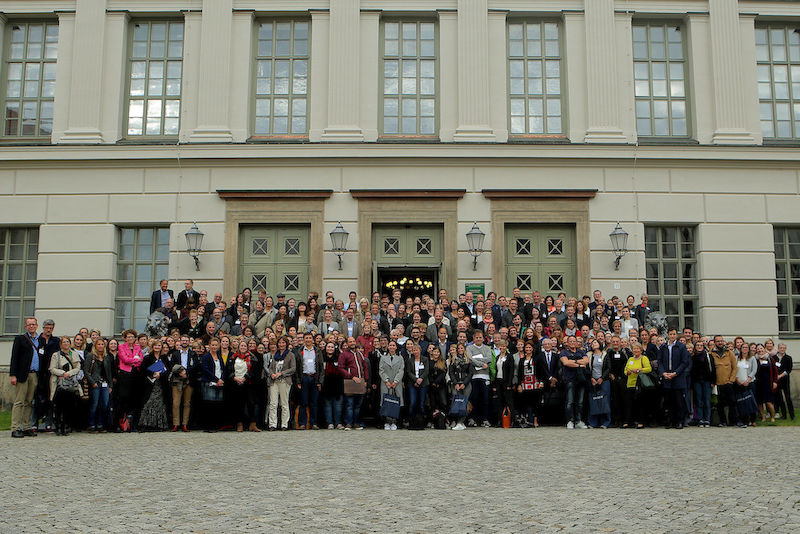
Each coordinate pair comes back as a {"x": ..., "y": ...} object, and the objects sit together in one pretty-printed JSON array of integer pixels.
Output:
[
  {"x": 350, "y": 326},
  {"x": 468, "y": 306},
  {"x": 187, "y": 293},
  {"x": 432, "y": 332},
  {"x": 182, "y": 396},
  {"x": 673, "y": 366},
  {"x": 160, "y": 296},
  {"x": 23, "y": 373},
  {"x": 310, "y": 377}
]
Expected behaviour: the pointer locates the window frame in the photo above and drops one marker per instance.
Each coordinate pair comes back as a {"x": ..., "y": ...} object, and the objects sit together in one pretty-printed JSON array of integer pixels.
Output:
[
  {"x": 524, "y": 20},
  {"x": 791, "y": 100},
  {"x": 24, "y": 281},
  {"x": 660, "y": 297},
  {"x": 129, "y": 60},
  {"x": 789, "y": 296},
  {"x": 685, "y": 61},
  {"x": 154, "y": 262},
  {"x": 382, "y": 135},
  {"x": 6, "y": 46},
  {"x": 254, "y": 84}
]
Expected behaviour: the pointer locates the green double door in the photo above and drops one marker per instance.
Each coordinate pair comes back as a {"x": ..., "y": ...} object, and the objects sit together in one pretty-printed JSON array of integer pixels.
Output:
[
  {"x": 407, "y": 257},
  {"x": 540, "y": 257},
  {"x": 275, "y": 258}
]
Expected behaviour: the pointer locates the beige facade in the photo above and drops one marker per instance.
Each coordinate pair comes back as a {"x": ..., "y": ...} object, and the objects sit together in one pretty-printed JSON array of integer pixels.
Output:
[{"x": 90, "y": 178}]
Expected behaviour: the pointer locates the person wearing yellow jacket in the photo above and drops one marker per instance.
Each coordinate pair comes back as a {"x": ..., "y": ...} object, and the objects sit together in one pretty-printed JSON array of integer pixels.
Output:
[{"x": 635, "y": 397}]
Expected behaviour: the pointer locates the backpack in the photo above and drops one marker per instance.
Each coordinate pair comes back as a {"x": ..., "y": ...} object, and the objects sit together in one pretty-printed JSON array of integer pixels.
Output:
[
  {"x": 439, "y": 420},
  {"x": 417, "y": 423}
]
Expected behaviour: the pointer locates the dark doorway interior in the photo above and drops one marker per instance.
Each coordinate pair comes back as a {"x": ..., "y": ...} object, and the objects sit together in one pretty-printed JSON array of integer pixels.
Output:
[{"x": 411, "y": 282}]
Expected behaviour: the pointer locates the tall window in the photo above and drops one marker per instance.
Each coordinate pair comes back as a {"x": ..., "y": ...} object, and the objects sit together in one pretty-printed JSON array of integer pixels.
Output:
[
  {"x": 30, "y": 79},
  {"x": 282, "y": 78},
  {"x": 671, "y": 271},
  {"x": 19, "y": 252},
  {"x": 534, "y": 83},
  {"x": 154, "y": 89},
  {"x": 142, "y": 261},
  {"x": 659, "y": 80},
  {"x": 778, "y": 57},
  {"x": 409, "y": 78},
  {"x": 787, "y": 278}
]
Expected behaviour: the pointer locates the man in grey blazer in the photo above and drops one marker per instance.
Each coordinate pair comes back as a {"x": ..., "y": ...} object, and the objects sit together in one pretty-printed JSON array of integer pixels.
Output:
[{"x": 351, "y": 326}]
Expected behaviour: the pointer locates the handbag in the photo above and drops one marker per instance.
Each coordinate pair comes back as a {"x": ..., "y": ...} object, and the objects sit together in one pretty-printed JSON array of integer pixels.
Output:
[
  {"x": 506, "y": 417},
  {"x": 746, "y": 403},
  {"x": 351, "y": 387},
  {"x": 645, "y": 381},
  {"x": 211, "y": 393},
  {"x": 599, "y": 403},
  {"x": 458, "y": 407},
  {"x": 71, "y": 384},
  {"x": 390, "y": 406}
]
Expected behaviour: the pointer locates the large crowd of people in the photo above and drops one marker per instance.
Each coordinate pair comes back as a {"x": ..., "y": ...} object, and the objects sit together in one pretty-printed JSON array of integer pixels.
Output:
[{"x": 261, "y": 363}]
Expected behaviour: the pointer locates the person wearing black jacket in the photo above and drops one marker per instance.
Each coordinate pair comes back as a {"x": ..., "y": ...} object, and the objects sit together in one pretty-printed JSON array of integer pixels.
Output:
[
  {"x": 99, "y": 371},
  {"x": 783, "y": 395},
  {"x": 505, "y": 380},
  {"x": 24, "y": 376},
  {"x": 548, "y": 372},
  {"x": 182, "y": 394},
  {"x": 437, "y": 376},
  {"x": 703, "y": 373},
  {"x": 42, "y": 407},
  {"x": 529, "y": 385},
  {"x": 600, "y": 382},
  {"x": 617, "y": 357},
  {"x": 460, "y": 371},
  {"x": 153, "y": 415},
  {"x": 159, "y": 296}
]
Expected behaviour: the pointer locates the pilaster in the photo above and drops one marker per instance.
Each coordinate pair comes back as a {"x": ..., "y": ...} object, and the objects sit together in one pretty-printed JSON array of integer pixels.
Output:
[
  {"x": 213, "y": 112},
  {"x": 240, "y": 83},
  {"x": 730, "y": 118},
  {"x": 601, "y": 69},
  {"x": 473, "y": 72},
  {"x": 370, "y": 75},
  {"x": 343, "y": 75},
  {"x": 115, "y": 57},
  {"x": 317, "y": 97},
  {"x": 448, "y": 75},
  {"x": 84, "y": 115}
]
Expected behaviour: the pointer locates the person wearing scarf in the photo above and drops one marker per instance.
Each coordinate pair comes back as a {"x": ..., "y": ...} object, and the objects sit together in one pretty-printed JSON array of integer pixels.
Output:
[
  {"x": 279, "y": 377},
  {"x": 239, "y": 372}
]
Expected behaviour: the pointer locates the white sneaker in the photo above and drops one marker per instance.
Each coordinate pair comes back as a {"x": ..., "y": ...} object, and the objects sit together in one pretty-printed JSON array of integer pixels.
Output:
[
  {"x": 570, "y": 425},
  {"x": 459, "y": 426},
  {"x": 387, "y": 426},
  {"x": 394, "y": 426},
  {"x": 580, "y": 425}
]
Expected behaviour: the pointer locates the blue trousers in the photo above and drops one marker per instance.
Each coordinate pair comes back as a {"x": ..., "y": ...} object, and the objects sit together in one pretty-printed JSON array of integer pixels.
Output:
[
  {"x": 332, "y": 407},
  {"x": 98, "y": 408},
  {"x": 308, "y": 399},
  {"x": 417, "y": 400},
  {"x": 352, "y": 409},
  {"x": 702, "y": 401},
  {"x": 573, "y": 406}
]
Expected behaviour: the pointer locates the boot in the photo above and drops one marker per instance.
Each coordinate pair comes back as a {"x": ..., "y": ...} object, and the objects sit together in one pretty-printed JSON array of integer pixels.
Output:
[
  {"x": 253, "y": 428},
  {"x": 239, "y": 427}
]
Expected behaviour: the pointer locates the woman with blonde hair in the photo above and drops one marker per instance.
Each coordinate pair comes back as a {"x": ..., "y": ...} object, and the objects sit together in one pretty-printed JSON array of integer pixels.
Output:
[
  {"x": 99, "y": 371},
  {"x": 636, "y": 366}
]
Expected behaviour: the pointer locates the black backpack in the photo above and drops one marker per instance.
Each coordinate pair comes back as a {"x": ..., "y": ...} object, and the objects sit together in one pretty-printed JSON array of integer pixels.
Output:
[
  {"x": 417, "y": 423},
  {"x": 439, "y": 420}
]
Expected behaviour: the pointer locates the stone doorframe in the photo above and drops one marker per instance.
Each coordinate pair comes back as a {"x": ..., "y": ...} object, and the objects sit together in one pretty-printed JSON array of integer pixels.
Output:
[
  {"x": 408, "y": 207},
  {"x": 541, "y": 206},
  {"x": 273, "y": 207}
]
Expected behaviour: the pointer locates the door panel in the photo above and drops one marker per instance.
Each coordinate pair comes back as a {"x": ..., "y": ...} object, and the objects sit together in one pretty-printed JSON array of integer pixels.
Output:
[
  {"x": 540, "y": 257},
  {"x": 275, "y": 258},
  {"x": 412, "y": 245}
]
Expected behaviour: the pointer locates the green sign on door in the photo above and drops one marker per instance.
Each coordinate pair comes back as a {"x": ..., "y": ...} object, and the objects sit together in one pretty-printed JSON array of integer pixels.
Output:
[{"x": 475, "y": 288}]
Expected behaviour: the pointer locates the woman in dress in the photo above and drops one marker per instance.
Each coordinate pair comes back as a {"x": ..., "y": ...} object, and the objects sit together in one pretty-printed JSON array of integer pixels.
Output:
[
  {"x": 526, "y": 387},
  {"x": 766, "y": 383},
  {"x": 153, "y": 416}
]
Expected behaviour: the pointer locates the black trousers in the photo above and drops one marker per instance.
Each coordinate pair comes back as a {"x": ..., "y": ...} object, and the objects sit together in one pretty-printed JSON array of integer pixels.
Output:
[
  {"x": 783, "y": 398},
  {"x": 726, "y": 401},
  {"x": 675, "y": 400},
  {"x": 437, "y": 397},
  {"x": 635, "y": 406},
  {"x": 618, "y": 402}
]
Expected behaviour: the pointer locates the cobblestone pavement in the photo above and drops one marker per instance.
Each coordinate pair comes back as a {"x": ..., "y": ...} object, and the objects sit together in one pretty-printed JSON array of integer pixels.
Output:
[{"x": 479, "y": 480}]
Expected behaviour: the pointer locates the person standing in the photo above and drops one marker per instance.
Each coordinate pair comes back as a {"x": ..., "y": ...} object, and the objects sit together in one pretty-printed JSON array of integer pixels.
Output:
[
  {"x": 673, "y": 365},
  {"x": 42, "y": 407},
  {"x": 353, "y": 365},
  {"x": 64, "y": 365},
  {"x": 23, "y": 374},
  {"x": 310, "y": 377},
  {"x": 391, "y": 370},
  {"x": 703, "y": 374},
  {"x": 187, "y": 293},
  {"x": 161, "y": 296},
  {"x": 482, "y": 358},
  {"x": 99, "y": 372},
  {"x": 280, "y": 370},
  {"x": 725, "y": 366},
  {"x": 417, "y": 370},
  {"x": 617, "y": 359},
  {"x": 574, "y": 363},
  {"x": 182, "y": 391},
  {"x": 783, "y": 395}
]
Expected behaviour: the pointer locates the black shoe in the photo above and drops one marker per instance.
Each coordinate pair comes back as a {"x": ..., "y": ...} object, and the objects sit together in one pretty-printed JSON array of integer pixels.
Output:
[
  {"x": 679, "y": 426},
  {"x": 29, "y": 433},
  {"x": 17, "y": 434}
]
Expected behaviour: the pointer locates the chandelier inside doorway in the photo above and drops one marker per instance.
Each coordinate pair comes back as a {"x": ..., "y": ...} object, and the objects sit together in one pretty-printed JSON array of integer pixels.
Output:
[{"x": 413, "y": 283}]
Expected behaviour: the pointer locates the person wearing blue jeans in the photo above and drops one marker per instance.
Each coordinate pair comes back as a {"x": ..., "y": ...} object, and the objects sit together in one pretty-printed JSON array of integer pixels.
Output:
[
  {"x": 352, "y": 410},
  {"x": 703, "y": 373},
  {"x": 417, "y": 369},
  {"x": 354, "y": 366},
  {"x": 310, "y": 376},
  {"x": 600, "y": 365},
  {"x": 574, "y": 361},
  {"x": 97, "y": 368},
  {"x": 333, "y": 387}
]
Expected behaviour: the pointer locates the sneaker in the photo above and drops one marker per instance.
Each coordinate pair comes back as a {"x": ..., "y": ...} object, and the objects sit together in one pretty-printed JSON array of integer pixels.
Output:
[
  {"x": 741, "y": 425},
  {"x": 358, "y": 427},
  {"x": 470, "y": 422},
  {"x": 459, "y": 426},
  {"x": 348, "y": 427},
  {"x": 604, "y": 427},
  {"x": 330, "y": 427},
  {"x": 570, "y": 425},
  {"x": 339, "y": 426},
  {"x": 580, "y": 425},
  {"x": 486, "y": 424},
  {"x": 394, "y": 426},
  {"x": 387, "y": 426}
]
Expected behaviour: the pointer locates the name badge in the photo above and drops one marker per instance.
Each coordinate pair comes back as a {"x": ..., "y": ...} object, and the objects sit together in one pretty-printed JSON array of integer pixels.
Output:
[
  {"x": 777, "y": 364},
  {"x": 103, "y": 384},
  {"x": 41, "y": 351},
  {"x": 616, "y": 356}
]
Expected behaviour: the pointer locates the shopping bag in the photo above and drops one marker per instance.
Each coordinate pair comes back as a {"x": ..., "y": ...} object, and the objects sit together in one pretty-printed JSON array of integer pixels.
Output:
[
  {"x": 746, "y": 403},
  {"x": 390, "y": 406},
  {"x": 599, "y": 403},
  {"x": 458, "y": 408}
]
